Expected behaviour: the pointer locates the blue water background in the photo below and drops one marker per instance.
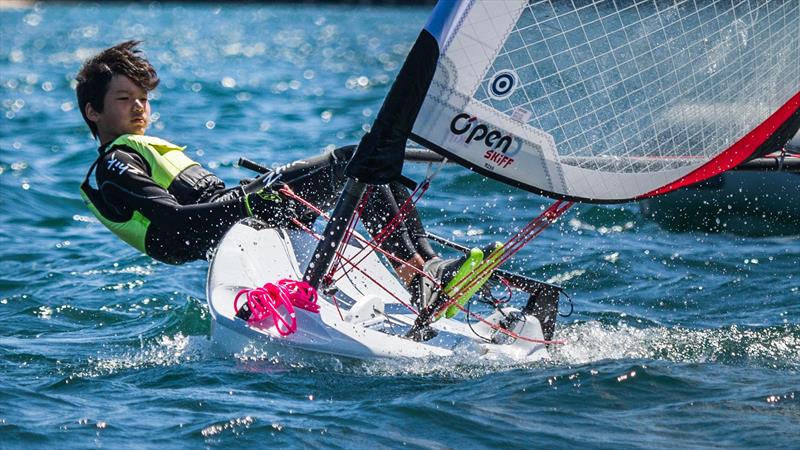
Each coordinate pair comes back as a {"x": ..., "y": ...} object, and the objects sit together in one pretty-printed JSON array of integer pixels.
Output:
[{"x": 686, "y": 340}]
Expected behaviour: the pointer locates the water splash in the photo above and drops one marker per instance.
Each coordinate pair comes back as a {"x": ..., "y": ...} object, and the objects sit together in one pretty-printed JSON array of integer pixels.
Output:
[
  {"x": 777, "y": 347},
  {"x": 164, "y": 352}
]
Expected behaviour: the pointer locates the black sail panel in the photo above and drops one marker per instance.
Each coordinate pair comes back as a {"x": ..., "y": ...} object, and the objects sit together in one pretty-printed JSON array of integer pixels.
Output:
[{"x": 380, "y": 154}]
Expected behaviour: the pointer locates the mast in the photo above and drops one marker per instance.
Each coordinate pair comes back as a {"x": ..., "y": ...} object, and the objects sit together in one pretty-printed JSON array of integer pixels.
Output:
[
  {"x": 334, "y": 232},
  {"x": 380, "y": 154}
]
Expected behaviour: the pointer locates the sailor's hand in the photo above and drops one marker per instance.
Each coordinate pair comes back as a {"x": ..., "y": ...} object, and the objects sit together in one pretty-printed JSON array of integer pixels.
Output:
[
  {"x": 267, "y": 181},
  {"x": 272, "y": 207}
]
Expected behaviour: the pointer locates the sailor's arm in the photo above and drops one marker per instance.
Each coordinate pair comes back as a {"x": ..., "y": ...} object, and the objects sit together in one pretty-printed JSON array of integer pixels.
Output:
[{"x": 176, "y": 233}]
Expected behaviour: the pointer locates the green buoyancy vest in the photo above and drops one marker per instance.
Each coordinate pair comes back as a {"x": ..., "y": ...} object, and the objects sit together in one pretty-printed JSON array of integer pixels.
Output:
[{"x": 166, "y": 161}]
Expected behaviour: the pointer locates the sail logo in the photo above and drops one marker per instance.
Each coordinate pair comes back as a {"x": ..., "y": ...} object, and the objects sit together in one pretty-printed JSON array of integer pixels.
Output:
[
  {"x": 498, "y": 143},
  {"x": 464, "y": 123},
  {"x": 503, "y": 84}
]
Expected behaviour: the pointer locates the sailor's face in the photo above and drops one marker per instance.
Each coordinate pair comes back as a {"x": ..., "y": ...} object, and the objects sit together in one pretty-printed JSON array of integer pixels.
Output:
[{"x": 125, "y": 110}]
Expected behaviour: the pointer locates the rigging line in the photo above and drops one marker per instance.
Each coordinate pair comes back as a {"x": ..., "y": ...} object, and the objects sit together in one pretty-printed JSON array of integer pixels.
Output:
[
  {"x": 497, "y": 307},
  {"x": 515, "y": 247},
  {"x": 489, "y": 299},
  {"x": 532, "y": 233},
  {"x": 327, "y": 279},
  {"x": 387, "y": 230},
  {"x": 388, "y": 255},
  {"x": 403, "y": 212},
  {"x": 348, "y": 234},
  {"x": 515, "y": 244},
  {"x": 510, "y": 333},
  {"x": 336, "y": 302},
  {"x": 535, "y": 227},
  {"x": 471, "y": 314},
  {"x": 411, "y": 308},
  {"x": 538, "y": 225},
  {"x": 429, "y": 177},
  {"x": 368, "y": 192},
  {"x": 291, "y": 194},
  {"x": 357, "y": 215},
  {"x": 469, "y": 323},
  {"x": 363, "y": 272},
  {"x": 512, "y": 246}
]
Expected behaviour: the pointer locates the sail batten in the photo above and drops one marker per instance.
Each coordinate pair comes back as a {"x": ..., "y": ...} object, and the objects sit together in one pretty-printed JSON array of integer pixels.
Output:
[{"x": 607, "y": 101}]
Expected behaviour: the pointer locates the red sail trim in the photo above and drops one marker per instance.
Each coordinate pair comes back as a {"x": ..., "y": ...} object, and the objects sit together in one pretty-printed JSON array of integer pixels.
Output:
[{"x": 738, "y": 152}]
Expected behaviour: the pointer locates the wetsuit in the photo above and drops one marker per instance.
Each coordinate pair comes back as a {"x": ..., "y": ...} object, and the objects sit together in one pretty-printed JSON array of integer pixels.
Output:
[{"x": 180, "y": 216}]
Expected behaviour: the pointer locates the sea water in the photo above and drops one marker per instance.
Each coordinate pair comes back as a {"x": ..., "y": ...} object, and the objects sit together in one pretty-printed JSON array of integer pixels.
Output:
[{"x": 686, "y": 340}]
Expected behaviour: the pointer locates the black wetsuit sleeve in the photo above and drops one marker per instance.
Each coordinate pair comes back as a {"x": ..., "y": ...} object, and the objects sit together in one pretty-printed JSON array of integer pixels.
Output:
[{"x": 177, "y": 233}]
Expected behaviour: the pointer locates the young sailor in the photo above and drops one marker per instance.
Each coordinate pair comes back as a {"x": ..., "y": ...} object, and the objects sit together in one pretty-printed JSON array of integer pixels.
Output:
[{"x": 154, "y": 197}]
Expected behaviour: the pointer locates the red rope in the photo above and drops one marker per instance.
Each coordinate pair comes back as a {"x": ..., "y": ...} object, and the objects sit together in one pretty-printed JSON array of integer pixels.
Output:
[
  {"x": 289, "y": 193},
  {"x": 510, "y": 333},
  {"x": 364, "y": 272},
  {"x": 517, "y": 242},
  {"x": 514, "y": 244},
  {"x": 511, "y": 247},
  {"x": 390, "y": 228},
  {"x": 348, "y": 233},
  {"x": 402, "y": 213}
]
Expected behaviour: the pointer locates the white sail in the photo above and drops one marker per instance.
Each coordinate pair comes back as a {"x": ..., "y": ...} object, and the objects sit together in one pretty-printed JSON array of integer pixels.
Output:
[{"x": 610, "y": 100}]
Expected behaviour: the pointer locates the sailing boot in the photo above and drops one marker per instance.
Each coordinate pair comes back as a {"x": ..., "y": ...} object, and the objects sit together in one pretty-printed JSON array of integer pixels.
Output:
[{"x": 427, "y": 297}]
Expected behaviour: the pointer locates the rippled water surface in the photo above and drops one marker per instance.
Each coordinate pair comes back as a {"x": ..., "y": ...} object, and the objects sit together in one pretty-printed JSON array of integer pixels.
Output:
[{"x": 685, "y": 340}]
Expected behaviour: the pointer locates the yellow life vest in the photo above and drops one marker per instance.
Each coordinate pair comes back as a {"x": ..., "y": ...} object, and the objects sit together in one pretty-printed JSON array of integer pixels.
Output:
[{"x": 166, "y": 161}]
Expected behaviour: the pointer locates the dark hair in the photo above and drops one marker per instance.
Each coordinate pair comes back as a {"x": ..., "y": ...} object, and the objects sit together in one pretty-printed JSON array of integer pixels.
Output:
[{"x": 96, "y": 73}]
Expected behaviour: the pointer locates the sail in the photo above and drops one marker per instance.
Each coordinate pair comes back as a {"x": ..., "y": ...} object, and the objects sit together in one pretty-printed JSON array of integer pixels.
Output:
[
  {"x": 379, "y": 156},
  {"x": 611, "y": 100}
]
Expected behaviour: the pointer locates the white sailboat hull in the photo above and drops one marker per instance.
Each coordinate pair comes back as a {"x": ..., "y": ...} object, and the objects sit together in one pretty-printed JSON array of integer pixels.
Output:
[{"x": 368, "y": 322}]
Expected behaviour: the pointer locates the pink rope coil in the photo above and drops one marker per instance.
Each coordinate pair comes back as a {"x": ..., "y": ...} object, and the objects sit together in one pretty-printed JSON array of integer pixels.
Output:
[
  {"x": 301, "y": 294},
  {"x": 267, "y": 301}
]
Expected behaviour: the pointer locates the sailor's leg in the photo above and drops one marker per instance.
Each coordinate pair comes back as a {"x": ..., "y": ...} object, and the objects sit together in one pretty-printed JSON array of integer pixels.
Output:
[
  {"x": 413, "y": 223},
  {"x": 380, "y": 209},
  {"x": 320, "y": 179}
]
